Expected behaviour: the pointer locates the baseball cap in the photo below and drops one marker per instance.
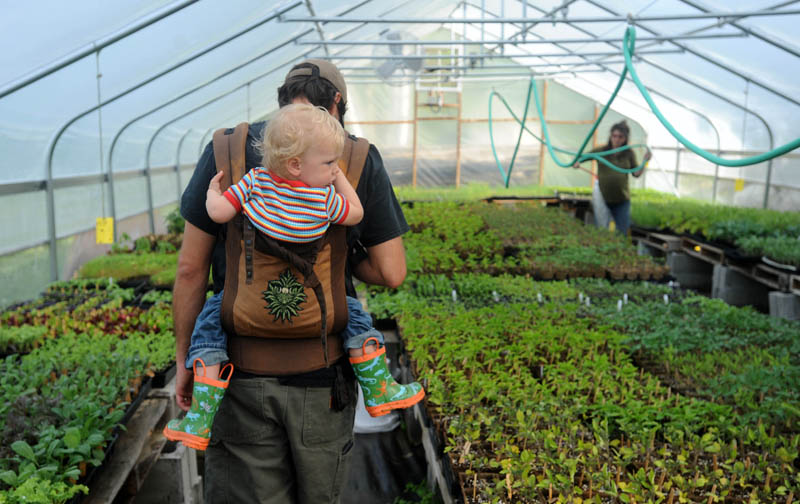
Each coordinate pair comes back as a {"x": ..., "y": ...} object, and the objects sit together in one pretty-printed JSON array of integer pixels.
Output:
[{"x": 320, "y": 68}]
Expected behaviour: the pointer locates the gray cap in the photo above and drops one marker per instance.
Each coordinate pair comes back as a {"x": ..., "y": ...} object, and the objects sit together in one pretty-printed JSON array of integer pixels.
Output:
[{"x": 321, "y": 68}]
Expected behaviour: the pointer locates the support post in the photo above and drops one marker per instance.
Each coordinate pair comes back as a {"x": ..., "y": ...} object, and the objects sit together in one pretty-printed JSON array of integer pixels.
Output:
[
  {"x": 414, "y": 134},
  {"x": 594, "y": 144},
  {"x": 541, "y": 130},
  {"x": 458, "y": 144}
]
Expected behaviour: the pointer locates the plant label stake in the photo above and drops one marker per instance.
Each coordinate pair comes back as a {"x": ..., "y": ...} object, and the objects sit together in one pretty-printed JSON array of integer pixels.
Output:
[
  {"x": 619, "y": 305},
  {"x": 625, "y": 298},
  {"x": 539, "y": 297},
  {"x": 666, "y": 299},
  {"x": 495, "y": 296},
  {"x": 580, "y": 297},
  {"x": 588, "y": 302},
  {"x": 454, "y": 295}
]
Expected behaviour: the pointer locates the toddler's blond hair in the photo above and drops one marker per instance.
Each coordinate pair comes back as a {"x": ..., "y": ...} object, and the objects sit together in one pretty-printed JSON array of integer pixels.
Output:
[{"x": 293, "y": 130}]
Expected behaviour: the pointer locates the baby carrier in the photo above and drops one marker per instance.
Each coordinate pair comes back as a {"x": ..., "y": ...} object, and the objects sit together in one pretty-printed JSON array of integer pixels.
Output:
[{"x": 284, "y": 303}]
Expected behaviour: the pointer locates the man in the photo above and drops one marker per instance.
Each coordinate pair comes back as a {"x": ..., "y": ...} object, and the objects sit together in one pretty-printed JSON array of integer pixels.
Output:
[{"x": 276, "y": 439}]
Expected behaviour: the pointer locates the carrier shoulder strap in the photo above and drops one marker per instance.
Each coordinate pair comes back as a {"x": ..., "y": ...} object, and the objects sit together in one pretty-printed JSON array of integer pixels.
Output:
[
  {"x": 229, "y": 153},
  {"x": 356, "y": 153},
  {"x": 230, "y": 147}
]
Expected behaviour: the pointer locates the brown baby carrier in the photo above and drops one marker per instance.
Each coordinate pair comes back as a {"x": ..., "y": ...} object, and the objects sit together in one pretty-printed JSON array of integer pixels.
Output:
[{"x": 284, "y": 303}]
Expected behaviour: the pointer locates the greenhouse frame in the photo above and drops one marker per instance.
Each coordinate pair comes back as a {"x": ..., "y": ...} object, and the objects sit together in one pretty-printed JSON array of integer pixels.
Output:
[{"x": 481, "y": 110}]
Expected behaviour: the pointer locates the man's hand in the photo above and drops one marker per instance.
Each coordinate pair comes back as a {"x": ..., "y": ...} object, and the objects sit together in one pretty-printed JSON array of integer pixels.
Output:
[{"x": 184, "y": 383}]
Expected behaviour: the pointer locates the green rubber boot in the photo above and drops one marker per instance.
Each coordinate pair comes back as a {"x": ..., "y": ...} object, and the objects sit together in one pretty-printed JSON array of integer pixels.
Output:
[
  {"x": 194, "y": 429},
  {"x": 382, "y": 393}
]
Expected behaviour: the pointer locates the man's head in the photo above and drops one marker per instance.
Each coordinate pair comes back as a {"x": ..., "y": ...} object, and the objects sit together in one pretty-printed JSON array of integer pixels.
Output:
[
  {"x": 317, "y": 82},
  {"x": 303, "y": 142}
]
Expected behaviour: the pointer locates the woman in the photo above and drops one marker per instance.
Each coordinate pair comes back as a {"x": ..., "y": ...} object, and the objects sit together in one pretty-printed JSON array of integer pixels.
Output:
[{"x": 613, "y": 184}]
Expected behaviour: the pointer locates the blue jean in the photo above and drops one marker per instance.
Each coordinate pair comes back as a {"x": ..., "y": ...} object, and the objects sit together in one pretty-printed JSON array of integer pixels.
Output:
[
  {"x": 359, "y": 326},
  {"x": 210, "y": 343},
  {"x": 621, "y": 212}
]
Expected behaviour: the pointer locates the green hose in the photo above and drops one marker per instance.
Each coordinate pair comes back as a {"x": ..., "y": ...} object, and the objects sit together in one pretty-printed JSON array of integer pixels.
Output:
[
  {"x": 628, "y": 47},
  {"x": 628, "y": 44}
]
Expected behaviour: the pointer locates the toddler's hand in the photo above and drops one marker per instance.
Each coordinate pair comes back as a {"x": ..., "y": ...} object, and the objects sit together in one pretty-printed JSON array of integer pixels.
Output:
[{"x": 214, "y": 184}]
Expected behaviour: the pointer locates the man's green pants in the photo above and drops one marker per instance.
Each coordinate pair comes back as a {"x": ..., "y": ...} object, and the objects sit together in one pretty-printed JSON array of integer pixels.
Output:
[{"x": 277, "y": 444}]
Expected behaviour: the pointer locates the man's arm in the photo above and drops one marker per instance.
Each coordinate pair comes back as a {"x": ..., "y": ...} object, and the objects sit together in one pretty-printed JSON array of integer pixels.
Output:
[
  {"x": 385, "y": 264},
  {"x": 188, "y": 297}
]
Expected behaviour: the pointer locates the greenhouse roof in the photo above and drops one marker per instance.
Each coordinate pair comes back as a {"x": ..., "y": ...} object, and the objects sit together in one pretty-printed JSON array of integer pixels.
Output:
[{"x": 182, "y": 68}]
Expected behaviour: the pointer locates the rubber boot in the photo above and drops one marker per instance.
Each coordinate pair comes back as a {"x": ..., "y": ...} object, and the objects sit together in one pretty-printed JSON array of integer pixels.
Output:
[
  {"x": 194, "y": 429},
  {"x": 382, "y": 393}
]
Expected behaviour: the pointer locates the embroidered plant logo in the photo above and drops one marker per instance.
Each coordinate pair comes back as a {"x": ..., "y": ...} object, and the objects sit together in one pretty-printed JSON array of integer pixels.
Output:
[{"x": 284, "y": 296}]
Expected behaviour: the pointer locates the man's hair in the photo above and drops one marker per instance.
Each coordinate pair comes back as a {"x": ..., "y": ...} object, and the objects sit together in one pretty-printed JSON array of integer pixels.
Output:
[
  {"x": 317, "y": 90},
  {"x": 291, "y": 132}
]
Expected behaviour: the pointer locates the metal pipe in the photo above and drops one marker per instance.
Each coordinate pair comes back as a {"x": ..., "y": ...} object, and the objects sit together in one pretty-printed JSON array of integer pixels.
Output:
[
  {"x": 54, "y": 140},
  {"x": 516, "y": 42},
  {"x": 203, "y": 141},
  {"x": 203, "y": 105},
  {"x": 649, "y": 89},
  {"x": 709, "y": 59},
  {"x": 747, "y": 110},
  {"x": 753, "y": 31},
  {"x": 476, "y": 78},
  {"x": 186, "y": 93},
  {"x": 317, "y": 24},
  {"x": 492, "y": 56},
  {"x": 680, "y": 77},
  {"x": 178, "y": 164},
  {"x": 495, "y": 67},
  {"x": 97, "y": 45},
  {"x": 523, "y": 20}
]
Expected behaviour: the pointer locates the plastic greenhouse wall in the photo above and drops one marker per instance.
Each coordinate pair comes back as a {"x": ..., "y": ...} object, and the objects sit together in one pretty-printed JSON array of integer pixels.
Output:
[{"x": 569, "y": 115}]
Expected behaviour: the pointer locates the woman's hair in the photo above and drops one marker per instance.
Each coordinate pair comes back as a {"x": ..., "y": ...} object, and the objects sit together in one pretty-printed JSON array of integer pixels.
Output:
[
  {"x": 291, "y": 132},
  {"x": 623, "y": 128}
]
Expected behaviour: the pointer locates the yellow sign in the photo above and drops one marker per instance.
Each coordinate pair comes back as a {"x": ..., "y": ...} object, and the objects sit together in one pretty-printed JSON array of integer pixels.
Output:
[
  {"x": 104, "y": 230},
  {"x": 738, "y": 185}
]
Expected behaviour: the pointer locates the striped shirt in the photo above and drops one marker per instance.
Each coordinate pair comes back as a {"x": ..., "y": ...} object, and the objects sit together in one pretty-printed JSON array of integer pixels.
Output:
[{"x": 287, "y": 210}]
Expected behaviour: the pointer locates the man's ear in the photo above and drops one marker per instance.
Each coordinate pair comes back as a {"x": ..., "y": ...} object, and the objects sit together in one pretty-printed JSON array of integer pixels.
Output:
[
  {"x": 293, "y": 167},
  {"x": 334, "y": 110}
]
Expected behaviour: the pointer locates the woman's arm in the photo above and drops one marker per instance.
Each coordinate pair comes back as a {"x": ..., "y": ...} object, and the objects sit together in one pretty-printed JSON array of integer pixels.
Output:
[{"x": 647, "y": 156}]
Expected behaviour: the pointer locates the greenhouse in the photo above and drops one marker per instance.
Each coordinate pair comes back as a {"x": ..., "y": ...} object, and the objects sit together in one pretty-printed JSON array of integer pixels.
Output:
[{"x": 477, "y": 252}]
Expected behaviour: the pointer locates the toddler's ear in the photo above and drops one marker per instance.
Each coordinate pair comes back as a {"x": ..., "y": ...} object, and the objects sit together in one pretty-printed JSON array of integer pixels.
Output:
[{"x": 293, "y": 166}]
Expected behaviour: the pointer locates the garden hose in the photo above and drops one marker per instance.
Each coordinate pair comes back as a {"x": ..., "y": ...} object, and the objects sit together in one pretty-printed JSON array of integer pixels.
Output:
[
  {"x": 628, "y": 48},
  {"x": 628, "y": 45}
]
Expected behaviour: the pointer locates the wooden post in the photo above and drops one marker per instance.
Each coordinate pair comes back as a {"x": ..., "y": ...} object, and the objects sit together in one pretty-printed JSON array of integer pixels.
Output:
[
  {"x": 541, "y": 147},
  {"x": 458, "y": 144},
  {"x": 594, "y": 144},
  {"x": 414, "y": 152}
]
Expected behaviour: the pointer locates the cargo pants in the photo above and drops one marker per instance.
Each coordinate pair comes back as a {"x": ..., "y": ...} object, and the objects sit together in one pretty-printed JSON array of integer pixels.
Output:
[{"x": 274, "y": 443}]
